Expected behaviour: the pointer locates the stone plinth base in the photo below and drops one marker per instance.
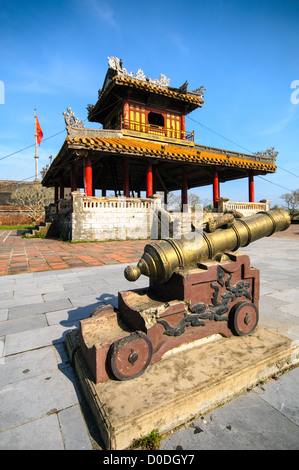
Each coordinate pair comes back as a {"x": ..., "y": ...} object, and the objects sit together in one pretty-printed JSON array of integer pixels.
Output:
[{"x": 183, "y": 385}]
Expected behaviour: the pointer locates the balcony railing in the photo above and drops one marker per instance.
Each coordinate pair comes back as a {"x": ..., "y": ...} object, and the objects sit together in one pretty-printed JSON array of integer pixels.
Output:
[
  {"x": 245, "y": 208},
  {"x": 157, "y": 130}
]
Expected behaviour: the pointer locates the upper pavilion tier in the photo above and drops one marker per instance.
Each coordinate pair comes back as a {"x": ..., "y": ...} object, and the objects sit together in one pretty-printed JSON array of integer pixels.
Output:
[{"x": 137, "y": 102}]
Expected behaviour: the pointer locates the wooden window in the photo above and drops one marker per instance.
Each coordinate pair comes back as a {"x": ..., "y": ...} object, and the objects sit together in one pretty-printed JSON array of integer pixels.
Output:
[
  {"x": 156, "y": 119},
  {"x": 173, "y": 125},
  {"x": 137, "y": 118}
]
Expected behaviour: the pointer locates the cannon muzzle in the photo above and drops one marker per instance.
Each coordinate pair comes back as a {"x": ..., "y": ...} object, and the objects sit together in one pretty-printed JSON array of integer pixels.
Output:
[{"x": 162, "y": 257}]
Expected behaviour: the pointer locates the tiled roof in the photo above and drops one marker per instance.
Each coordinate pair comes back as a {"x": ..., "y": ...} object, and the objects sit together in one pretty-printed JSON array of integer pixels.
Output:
[
  {"x": 144, "y": 85},
  {"x": 166, "y": 151}
]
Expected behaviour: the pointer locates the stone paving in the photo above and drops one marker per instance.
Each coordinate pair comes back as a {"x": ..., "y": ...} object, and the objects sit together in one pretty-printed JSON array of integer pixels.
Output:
[
  {"x": 18, "y": 255},
  {"x": 42, "y": 406}
]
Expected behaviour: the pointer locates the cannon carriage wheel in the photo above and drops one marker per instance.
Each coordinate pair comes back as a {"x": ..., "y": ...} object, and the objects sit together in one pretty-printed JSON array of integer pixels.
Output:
[
  {"x": 129, "y": 357},
  {"x": 243, "y": 318}
]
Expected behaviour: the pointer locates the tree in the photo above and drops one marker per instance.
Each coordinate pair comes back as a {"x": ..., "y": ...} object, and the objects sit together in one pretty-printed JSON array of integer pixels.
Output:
[
  {"x": 33, "y": 197},
  {"x": 292, "y": 203},
  {"x": 194, "y": 201}
]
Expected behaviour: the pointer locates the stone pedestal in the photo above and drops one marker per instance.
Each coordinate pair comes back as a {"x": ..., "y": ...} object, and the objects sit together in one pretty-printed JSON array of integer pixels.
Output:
[{"x": 181, "y": 386}]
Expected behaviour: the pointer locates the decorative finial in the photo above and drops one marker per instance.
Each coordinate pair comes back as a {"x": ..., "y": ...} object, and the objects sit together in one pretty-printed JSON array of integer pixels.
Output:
[
  {"x": 183, "y": 88},
  {"x": 199, "y": 91},
  {"x": 269, "y": 153},
  {"x": 71, "y": 120},
  {"x": 117, "y": 65}
]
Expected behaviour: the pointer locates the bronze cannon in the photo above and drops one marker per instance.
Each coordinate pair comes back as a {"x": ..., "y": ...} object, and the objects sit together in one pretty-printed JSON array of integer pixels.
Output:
[
  {"x": 198, "y": 288},
  {"x": 161, "y": 258}
]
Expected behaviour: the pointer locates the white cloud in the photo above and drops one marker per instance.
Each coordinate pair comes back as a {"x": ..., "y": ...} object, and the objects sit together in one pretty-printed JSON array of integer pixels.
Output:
[
  {"x": 31, "y": 86},
  {"x": 179, "y": 43},
  {"x": 55, "y": 75},
  {"x": 104, "y": 12}
]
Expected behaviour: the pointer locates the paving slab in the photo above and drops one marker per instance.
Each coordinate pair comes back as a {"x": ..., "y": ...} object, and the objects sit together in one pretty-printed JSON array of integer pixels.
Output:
[
  {"x": 283, "y": 395},
  {"x": 289, "y": 295},
  {"x": 3, "y": 314},
  {"x": 246, "y": 423},
  {"x": 22, "y": 301},
  {"x": 38, "y": 308},
  {"x": 22, "y": 324},
  {"x": 35, "y": 397},
  {"x": 292, "y": 309},
  {"x": 35, "y": 339},
  {"x": 28, "y": 364},
  {"x": 68, "y": 316},
  {"x": 73, "y": 429},
  {"x": 41, "y": 434},
  {"x": 6, "y": 295}
]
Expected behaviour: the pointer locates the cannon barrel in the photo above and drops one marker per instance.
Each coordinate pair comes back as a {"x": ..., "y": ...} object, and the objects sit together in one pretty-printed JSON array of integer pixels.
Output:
[{"x": 162, "y": 257}]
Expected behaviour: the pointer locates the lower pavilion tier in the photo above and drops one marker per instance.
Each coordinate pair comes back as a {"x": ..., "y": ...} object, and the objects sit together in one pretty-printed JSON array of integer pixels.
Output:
[{"x": 131, "y": 162}]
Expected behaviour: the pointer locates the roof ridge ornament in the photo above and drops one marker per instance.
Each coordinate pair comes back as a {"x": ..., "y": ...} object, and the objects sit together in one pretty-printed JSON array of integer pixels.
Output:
[
  {"x": 71, "y": 120},
  {"x": 117, "y": 64},
  {"x": 199, "y": 91},
  {"x": 270, "y": 153}
]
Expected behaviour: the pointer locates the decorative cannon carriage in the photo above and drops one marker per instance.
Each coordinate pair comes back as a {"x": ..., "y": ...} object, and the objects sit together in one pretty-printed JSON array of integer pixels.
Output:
[{"x": 196, "y": 290}]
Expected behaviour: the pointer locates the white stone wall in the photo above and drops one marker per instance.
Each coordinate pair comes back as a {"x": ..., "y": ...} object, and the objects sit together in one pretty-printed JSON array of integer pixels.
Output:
[
  {"x": 84, "y": 218},
  {"x": 100, "y": 218}
]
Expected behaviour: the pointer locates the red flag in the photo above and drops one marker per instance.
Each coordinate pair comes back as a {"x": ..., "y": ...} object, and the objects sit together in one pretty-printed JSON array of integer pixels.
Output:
[{"x": 38, "y": 131}]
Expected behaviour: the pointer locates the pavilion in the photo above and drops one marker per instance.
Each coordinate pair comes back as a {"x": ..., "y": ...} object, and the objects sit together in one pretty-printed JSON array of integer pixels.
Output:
[{"x": 142, "y": 147}]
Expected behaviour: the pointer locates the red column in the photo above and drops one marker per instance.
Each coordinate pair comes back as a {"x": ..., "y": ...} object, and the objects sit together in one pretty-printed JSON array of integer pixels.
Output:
[
  {"x": 154, "y": 179},
  {"x": 149, "y": 180},
  {"x": 73, "y": 177},
  {"x": 126, "y": 177},
  {"x": 184, "y": 186},
  {"x": 251, "y": 187},
  {"x": 215, "y": 189},
  {"x": 183, "y": 127},
  {"x": 126, "y": 115},
  {"x": 104, "y": 176},
  {"x": 88, "y": 176}
]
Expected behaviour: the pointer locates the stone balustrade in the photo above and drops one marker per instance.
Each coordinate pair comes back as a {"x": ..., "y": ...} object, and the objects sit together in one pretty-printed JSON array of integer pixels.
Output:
[
  {"x": 245, "y": 208},
  {"x": 92, "y": 218}
]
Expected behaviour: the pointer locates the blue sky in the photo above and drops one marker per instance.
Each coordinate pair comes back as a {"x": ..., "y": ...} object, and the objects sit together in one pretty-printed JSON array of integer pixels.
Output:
[{"x": 245, "y": 53}]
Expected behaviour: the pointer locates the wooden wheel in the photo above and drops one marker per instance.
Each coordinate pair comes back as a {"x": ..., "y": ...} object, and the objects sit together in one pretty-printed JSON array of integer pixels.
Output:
[
  {"x": 243, "y": 318},
  {"x": 129, "y": 357}
]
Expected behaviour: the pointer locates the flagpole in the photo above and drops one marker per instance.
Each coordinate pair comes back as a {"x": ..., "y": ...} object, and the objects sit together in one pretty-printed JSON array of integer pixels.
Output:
[{"x": 36, "y": 155}]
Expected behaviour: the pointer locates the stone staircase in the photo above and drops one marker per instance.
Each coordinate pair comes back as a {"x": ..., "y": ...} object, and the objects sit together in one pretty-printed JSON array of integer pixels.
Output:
[{"x": 40, "y": 230}]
